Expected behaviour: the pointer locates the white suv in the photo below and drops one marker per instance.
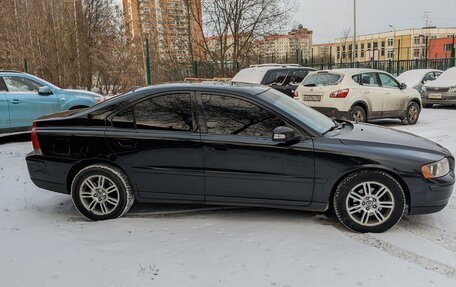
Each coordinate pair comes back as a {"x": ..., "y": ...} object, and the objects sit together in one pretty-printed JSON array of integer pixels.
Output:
[{"x": 359, "y": 95}]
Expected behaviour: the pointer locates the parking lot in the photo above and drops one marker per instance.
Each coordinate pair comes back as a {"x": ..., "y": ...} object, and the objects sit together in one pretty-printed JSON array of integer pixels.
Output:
[{"x": 45, "y": 242}]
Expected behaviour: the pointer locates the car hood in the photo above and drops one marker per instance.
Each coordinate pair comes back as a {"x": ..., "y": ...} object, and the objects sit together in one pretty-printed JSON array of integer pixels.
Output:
[
  {"x": 398, "y": 143},
  {"x": 441, "y": 83},
  {"x": 83, "y": 93}
]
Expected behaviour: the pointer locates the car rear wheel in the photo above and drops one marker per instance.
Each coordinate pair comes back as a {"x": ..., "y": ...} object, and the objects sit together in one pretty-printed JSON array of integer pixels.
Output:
[
  {"x": 412, "y": 114},
  {"x": 101, "y": 192},
  {"x": 369, "y": 201},
  {"x": 358, "y": 114}
]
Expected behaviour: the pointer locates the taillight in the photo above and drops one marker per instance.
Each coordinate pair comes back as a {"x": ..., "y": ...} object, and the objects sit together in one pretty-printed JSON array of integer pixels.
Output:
[
  {"x": 295, "y": 95},
  {"x": 340, "y": 93},
  {"x": 35, "y": 142}
]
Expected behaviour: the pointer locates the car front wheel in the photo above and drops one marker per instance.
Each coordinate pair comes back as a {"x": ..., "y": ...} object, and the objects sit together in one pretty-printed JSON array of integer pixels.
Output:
[
  {"x": 369, "y": 201},
  {"x": 358, "y": 114},
  {"x": 101, "y": 192}
]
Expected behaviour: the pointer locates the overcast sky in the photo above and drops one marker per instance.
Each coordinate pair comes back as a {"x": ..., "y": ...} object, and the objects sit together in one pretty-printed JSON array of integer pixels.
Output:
[{"x": 328, "y": 18}]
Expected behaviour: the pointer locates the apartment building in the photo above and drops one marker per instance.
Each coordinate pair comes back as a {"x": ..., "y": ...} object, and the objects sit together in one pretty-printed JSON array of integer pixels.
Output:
[
  {"x": 321, "y": 53},
  {"x": 295, "y": 44},
  {"x": 408, "y": 44},
  {"x": 173, "y": 27}
]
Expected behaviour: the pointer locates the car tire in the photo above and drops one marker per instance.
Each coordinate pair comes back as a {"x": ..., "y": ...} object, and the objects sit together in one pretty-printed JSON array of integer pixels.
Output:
[
  {"x": 369, "y": 201},
  {"x": 358, "y": 114},
  {"x": 428, "y": 106},
  {"x": 412, "y": 114},
  {"x": 101, "y": 192}
]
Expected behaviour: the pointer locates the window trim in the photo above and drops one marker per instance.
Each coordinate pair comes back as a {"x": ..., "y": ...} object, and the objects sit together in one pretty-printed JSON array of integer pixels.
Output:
[
  {"x": 193, "y": 105},
  {"x": 202, "y": 117}
]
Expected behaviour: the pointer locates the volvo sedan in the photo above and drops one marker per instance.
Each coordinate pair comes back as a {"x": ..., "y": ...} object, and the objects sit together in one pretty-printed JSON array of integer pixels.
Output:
[{"x": 228, "y": 145}]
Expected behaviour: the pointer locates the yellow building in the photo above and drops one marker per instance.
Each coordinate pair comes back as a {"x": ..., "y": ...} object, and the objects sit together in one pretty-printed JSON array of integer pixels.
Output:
[{"x": 409, "y": 44}]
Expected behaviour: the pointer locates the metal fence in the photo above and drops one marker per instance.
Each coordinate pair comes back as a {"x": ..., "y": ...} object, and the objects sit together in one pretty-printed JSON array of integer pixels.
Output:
[{"x": 395, "y": 67}]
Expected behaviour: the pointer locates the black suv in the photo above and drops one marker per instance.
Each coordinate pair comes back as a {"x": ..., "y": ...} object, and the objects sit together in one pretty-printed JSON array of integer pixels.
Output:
[{"x": 284, "y": 78}]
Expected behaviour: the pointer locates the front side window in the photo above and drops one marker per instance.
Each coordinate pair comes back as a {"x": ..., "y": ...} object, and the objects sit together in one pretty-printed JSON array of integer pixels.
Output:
[
  {"x": 227, "y": 115},
  {"x": 18, "y": 84},
  {"x": 388, "y": 81}
]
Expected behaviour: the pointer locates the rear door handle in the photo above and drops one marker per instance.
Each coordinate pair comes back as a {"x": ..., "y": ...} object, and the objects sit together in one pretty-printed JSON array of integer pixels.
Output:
[
  {"x": 219, "y": 148},
  {"x": 15, "y": 101},
  {"x": 126, "y": 143}
]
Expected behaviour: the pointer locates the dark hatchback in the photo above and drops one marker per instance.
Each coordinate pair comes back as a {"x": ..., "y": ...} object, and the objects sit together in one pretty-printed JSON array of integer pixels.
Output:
[{"x": 228, "y": 145}]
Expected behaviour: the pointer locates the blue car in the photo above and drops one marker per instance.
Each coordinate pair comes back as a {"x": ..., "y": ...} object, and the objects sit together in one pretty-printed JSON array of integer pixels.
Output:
[{"x": 24, "y": 98}]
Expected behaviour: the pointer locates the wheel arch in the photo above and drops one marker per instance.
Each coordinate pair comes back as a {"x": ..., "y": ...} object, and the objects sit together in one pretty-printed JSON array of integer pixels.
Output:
[
  {"x": 84, "y": 163},
  {"x": 362, "y": 104},
  {"x": 78, "y": 107},
  {"x": 378, "y": 168}
]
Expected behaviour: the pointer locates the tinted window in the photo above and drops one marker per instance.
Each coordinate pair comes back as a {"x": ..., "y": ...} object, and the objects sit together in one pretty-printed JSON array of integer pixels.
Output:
[
  {"x": 169, "y": 112},
  {"x": 388, "y": 81},
  {"x": 276, "y": 77},
  {"x": 18, "y": 84},
  {"x": 124, "y": 119},
  {"x": 321, "y": 79},
  {"x": 231, "y": 116},
  {"x": 368, "y": 79},
  {"x": 296, "y": 77}
]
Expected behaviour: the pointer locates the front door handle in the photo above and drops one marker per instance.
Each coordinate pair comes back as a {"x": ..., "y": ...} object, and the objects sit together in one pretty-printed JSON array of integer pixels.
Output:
[
  {"x": 15, "y": 101},
  {"x": 126, "y": 143},
  {"x": 218, "y": 148}
]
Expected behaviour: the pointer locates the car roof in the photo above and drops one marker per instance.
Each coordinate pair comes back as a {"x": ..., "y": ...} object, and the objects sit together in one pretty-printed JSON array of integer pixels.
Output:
[
  {"x": 248, "y": 90},
  {"x": 352, "y": 71}
]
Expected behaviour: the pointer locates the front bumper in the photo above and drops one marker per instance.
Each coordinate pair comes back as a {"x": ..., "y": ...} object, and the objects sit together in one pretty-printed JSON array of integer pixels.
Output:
[
  {"x": 447, "y": 98},
  {"x": 429, "y": 196}
]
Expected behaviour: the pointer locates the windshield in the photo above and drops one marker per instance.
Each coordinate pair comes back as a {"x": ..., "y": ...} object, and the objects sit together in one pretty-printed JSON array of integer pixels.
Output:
[
  {"x": 448, "y": 75},
  {"x": 411, "y": 78},
  {"x": 321, "y": 79},
  {"x": 303, "y": 113}
]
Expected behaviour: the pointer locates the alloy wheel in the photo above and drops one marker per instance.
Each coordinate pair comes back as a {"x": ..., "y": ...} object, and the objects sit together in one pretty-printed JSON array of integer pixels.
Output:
[
  {"x": 99, "y": 195},
  {"x": 370, "y": 203}
]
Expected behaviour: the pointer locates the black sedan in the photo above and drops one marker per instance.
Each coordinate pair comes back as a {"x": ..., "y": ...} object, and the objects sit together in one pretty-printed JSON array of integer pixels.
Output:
[{"x": 228, "y": 145}]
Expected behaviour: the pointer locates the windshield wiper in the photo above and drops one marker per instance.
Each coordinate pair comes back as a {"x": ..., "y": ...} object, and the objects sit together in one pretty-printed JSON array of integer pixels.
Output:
[{"x": 334, "y": 127}]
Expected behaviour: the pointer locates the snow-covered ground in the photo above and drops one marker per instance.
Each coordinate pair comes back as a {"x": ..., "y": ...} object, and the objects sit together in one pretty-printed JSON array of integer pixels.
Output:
[{"x": 45, "y": 242}]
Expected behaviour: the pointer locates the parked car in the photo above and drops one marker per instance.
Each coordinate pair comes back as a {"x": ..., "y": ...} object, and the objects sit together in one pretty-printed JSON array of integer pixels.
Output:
[
  {"x": 359, "y": 95},
  {"x": 228, "y": 145},
  {"x": 284, "y": 78},
  {"x": 441, "y": 91},
  {"x": 24, "y": 98},
  {"x": 417, "y": 78}
]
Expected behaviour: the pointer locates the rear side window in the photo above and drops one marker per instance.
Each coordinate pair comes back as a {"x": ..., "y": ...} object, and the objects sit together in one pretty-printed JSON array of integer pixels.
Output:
[
  {"x": 322, "y": 79},
  {"x": 295, "y": 77},
  {"x": 276, "y": 77},
  {"x": 366, "y": 79},
  {"x": 167, "y": 112}
]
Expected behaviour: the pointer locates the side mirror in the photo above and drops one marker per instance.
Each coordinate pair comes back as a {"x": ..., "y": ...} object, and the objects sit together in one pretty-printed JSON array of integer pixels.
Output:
[
  {"x": 403, "y": 86},
  {"x": 284, "y": 135},
  {"x": 44, "y": 91}
]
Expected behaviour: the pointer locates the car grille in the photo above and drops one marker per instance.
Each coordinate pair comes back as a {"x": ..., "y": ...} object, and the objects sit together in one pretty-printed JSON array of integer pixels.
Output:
[{"x": 437, "y": 90}]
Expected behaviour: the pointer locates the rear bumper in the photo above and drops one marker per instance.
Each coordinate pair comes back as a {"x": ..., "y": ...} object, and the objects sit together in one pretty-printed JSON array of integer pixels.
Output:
[
  {"x": 333, "y": 112},
  {"x": 431, "y": 197},
  {"x": 48, "y": 175}
]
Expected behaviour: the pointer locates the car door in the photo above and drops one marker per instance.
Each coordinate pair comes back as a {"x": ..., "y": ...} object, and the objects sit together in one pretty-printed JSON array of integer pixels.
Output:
[
  {"x": 25, "y": 103},
  {"x": 4, "y": 110},
  {"x": 243, "y": 164},
  {"x": 396, "y": 100},
  {"x": 158, "y": 140},
  {"x": 372, "y": 93}
]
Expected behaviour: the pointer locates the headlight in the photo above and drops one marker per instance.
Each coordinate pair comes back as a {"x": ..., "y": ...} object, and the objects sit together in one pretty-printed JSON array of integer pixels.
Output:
[{"x": 436, "y": 169}]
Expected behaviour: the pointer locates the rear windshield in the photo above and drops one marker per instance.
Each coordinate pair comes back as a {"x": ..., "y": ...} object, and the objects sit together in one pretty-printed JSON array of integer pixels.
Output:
[{"x": 321, "y": 79}]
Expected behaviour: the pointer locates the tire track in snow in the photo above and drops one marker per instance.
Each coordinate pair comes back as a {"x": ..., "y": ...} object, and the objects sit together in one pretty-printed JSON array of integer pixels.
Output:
[
  {"x": 437, "y": 236},
  {"x": 398, "y": 252}
]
